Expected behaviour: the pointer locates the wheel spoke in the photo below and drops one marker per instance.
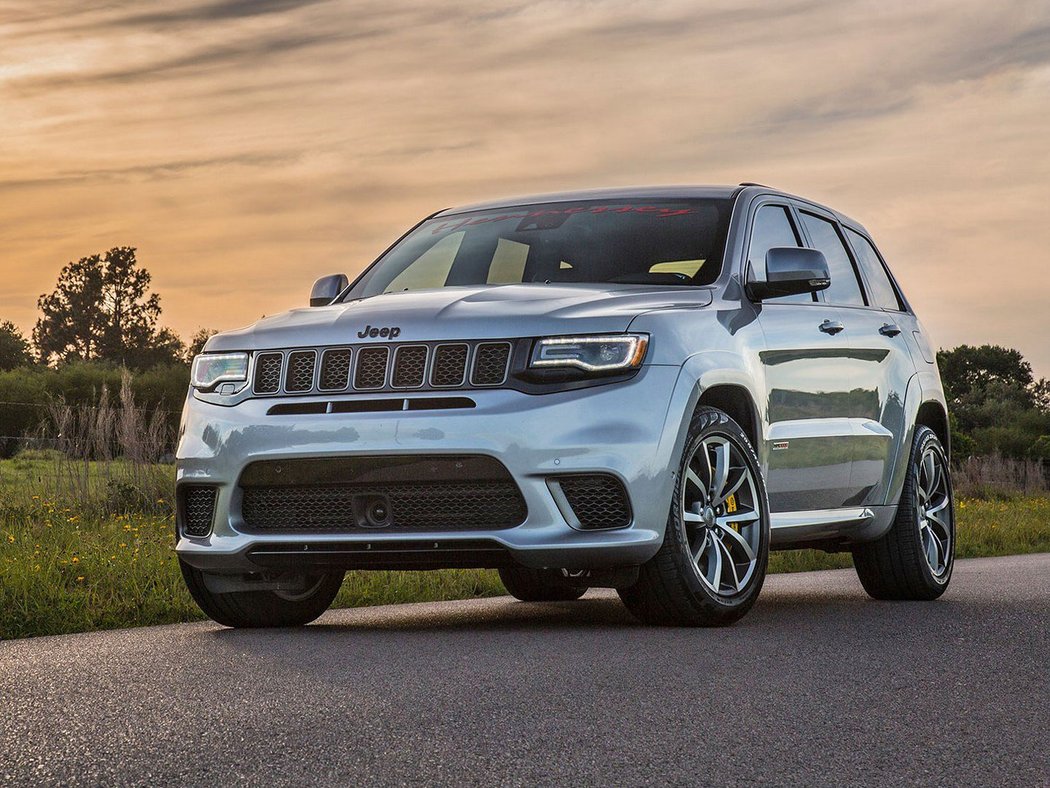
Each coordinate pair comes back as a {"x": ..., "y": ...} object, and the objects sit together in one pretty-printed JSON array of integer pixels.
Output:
[
  {"x": 938, "y": 515},
  {"x": 729, "y": 560},
  {"x": 721, "y": 499},
  {"x": 696, "y": 481},
  {"x": 721, "y": 469},
  {"x": 740, "y": 540},
  {"x": 692, "y": 517},
  {"x": 737, "y": 517},
  {"x": 714, "y": 566},
  {"x": 930, "y": 469},
  {"x": 700, "y": 550},
  {"x": 931, "y": 548}
]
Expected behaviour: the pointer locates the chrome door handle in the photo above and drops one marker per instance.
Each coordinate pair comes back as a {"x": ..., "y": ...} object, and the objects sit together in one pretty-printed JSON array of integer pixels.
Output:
[
  {"x": 831, "y": 326},
  {"x": 889, "y": 330}
]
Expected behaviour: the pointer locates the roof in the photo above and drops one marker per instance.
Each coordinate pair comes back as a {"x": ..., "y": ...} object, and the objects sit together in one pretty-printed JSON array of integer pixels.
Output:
[
  {"x": 684, "y": 192},
  {"x": 627, "y": 193}
]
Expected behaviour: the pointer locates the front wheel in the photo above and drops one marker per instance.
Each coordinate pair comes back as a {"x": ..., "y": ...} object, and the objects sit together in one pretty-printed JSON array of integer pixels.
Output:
[
  {"x": 539, "y": 585},
  {"x": 712, "y": 563},
  {"x": 914, "y": 560},
  {"x": 292, "y": 608}
]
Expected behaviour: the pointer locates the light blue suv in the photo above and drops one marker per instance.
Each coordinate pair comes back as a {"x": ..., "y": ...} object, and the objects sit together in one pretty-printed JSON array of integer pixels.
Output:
[{"x": 643, "y": 389}]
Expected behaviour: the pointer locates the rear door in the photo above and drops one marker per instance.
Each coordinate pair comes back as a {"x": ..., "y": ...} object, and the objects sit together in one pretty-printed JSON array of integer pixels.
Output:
[
  {"x": 804, "y": 364},
  {"x": 879, "y": 363}
]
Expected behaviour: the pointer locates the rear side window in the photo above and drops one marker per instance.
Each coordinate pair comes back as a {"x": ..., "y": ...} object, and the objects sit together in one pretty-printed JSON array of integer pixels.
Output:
[
  {"x": 884, "y": 294},
  {"x": 845, "y": 287},
  {"x": 773, "y": 227}
]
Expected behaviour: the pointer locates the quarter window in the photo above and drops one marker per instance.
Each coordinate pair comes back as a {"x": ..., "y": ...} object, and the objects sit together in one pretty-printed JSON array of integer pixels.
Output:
[
  {"x": 884, "y": 294},
  {"x": 845, "y": 287},
  {"x": 773, "y": 227}
]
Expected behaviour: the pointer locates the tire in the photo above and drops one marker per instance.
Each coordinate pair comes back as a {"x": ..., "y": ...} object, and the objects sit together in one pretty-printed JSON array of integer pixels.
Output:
[
  {"x": 263, "y": 609},
  {"x": 688, "y": 582},
  {"x": 914, "y": 559},
  {"x": 539, "y": 585}
]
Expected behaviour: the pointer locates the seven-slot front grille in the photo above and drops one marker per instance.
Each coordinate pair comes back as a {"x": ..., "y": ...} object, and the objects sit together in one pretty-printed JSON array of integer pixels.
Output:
[{"x": 373, "y": 368}]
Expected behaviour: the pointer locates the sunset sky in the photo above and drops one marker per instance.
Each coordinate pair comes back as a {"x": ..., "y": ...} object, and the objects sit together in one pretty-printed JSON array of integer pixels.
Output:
[{"x": 248, "y": 146}]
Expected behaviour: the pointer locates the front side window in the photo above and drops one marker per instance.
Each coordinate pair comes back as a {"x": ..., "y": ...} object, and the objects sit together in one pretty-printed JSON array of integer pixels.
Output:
[
  {"x": 772, "y": 228},
  {"x": 845, "y": 287},
  {"x": 679, "y": 242},
  {"x": 884, "y": 294}
]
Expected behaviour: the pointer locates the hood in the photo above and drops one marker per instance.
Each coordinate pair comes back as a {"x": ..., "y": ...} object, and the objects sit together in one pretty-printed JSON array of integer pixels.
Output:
[{"x": 476, "y": 312}]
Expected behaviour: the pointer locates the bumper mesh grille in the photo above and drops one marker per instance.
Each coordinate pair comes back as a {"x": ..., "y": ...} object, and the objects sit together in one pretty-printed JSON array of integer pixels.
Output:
[
  {"x": 197, "y": 505},
  {"x": 598, "y": 500},
  {"x": 424, "y": 493}
]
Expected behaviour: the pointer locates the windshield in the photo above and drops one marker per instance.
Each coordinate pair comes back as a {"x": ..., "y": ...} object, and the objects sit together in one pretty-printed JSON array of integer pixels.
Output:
[{"x": 678, "y": 242}]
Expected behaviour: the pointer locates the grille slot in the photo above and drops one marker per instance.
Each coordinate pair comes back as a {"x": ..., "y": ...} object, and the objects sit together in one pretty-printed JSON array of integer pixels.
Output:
[
  {"x": 450, "y": 365},
  {"x": 335, "y": 370},
  {"x": 410, "y": 367},
  {"x": 598, "y": 500},
  {"x": 370, "y": 372},
  {"x": 197, "y": 504},
  {"x": 426, "y": 493},
  {"x": 267, "y": 373},
  {"x": 490, "y": 364},
  {"x": 300, "y": 373}
]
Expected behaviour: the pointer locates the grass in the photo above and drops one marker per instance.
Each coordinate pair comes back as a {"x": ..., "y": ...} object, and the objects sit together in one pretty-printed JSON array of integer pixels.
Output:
[{"x": 61, "y": 571}]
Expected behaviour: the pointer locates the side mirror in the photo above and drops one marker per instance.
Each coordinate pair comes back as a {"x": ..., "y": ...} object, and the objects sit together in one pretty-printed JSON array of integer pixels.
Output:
[
  {"x": 327, "y": 288},
  {"x": 790, "y": 270}
]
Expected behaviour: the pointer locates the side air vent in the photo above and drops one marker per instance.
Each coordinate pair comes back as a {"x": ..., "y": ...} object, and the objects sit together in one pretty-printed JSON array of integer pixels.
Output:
[
  {"x": 490, "y": 364},
  {"x": 267, "y": 373},
  {"x": 196, "y": 504},
  {"x": 598, "y": 500}
]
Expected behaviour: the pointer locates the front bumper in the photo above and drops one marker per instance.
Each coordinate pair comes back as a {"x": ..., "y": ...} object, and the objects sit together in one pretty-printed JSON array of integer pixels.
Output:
[{"x": 624, "y": 429}]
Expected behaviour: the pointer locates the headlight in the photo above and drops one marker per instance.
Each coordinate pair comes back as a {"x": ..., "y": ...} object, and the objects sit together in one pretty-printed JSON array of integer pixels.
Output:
[
  {"x": 211, "y": 369},
  {"x": 591, "y": 354}
]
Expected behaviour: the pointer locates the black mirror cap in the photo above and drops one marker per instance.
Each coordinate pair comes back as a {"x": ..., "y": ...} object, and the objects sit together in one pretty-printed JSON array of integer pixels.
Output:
[
  {"x": 789, "y": 271},
  {"x": 327, "y": 288}
]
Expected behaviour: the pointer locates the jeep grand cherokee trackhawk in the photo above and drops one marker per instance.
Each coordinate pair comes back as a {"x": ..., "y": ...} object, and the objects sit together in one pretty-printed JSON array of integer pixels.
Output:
[{"x": 642, "y": 389}]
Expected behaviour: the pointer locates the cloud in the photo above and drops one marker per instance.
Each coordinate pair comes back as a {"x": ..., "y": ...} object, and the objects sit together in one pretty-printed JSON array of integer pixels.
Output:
[{"x": 247, "y": 146}]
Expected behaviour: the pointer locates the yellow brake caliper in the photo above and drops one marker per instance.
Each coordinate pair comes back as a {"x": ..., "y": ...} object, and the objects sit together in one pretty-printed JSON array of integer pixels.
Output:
[{"x": 730, "y": 508}]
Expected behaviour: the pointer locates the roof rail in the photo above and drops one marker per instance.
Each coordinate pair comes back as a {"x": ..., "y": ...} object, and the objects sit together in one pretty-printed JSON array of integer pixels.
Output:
[{"x": 748, "y": 183}]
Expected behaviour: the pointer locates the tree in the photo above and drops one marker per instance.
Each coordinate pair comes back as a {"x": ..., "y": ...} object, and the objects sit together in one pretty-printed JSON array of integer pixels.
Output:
[
  {"x": 14, "y": 349},
  {"x": 995, "y": 403},
  {"x": 102, "y": 309},
  {"x": 197, "y": 342}
]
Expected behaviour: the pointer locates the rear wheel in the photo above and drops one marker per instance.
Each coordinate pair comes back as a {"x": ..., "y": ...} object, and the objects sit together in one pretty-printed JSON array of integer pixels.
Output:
[
  {"x": 294, "y": 607},
  {"x": 914, "y": 560},
  {"x": 539, "y": 585},
  {"x": 712, "y": 563}
]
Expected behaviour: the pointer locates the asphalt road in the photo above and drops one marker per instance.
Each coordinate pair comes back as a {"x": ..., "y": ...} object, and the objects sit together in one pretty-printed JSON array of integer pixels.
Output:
[{"x": 818, "y": 685}]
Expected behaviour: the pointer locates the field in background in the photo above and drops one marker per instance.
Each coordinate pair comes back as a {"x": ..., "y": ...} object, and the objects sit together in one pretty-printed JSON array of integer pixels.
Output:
[{"x": 87, "y": 544}]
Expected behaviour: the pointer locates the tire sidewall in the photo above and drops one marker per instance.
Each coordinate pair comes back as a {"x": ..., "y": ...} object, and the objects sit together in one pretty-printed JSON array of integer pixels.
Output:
[
  {"x": 720, "y": 424},
  {"x": 926, "y": 438}
]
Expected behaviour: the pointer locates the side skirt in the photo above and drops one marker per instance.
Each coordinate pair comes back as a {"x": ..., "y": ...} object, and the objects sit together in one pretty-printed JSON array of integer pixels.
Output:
[{"x": 826, "y": 528}]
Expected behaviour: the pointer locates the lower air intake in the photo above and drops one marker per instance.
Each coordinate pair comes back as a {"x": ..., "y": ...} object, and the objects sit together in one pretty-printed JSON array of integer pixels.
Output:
[
  {"x": 424, "y": 493},
  {"x": 598, "y": 500},
  {"x": 196, "y": 505}
]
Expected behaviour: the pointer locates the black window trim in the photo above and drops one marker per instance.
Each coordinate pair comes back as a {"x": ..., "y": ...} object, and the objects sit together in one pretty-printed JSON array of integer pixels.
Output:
[
  {"x": 882, "y": 260},
  {"x": 778, "y": 201},
  {"x": 828, "y": 216}
]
